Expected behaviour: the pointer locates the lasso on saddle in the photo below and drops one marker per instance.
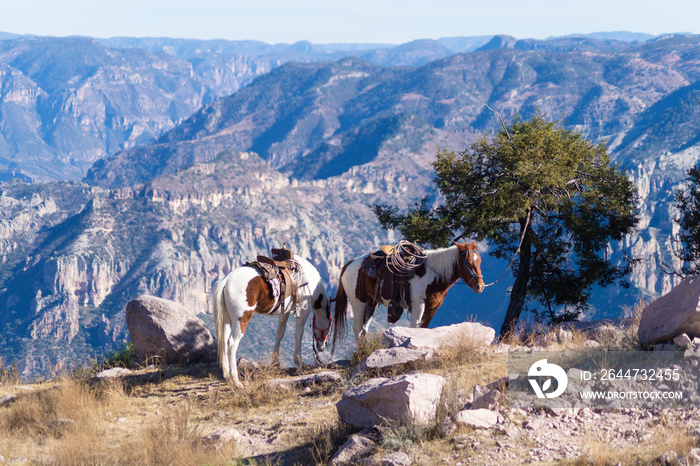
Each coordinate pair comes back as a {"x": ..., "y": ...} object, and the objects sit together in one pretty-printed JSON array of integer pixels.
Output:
[
  {"x": 283, "y": 275},
  {"x": 393, "y": 267}
]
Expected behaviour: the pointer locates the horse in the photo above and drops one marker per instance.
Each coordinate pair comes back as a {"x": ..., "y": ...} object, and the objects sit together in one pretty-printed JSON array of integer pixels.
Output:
[
  {"x": 244, "y": 292},
  {"x": 441, "y": 269}
]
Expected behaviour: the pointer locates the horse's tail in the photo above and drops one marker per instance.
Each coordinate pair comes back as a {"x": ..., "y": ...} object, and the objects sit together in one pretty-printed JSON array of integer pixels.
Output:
[
  {"x": 220, "y": 314},
  {"x": 340, "y": 306}
]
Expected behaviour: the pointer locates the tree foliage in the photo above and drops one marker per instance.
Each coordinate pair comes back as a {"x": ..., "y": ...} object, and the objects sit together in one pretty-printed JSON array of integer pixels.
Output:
[
  {"x": 688, "y": 203},
  {"x": 538, "y": 193}
]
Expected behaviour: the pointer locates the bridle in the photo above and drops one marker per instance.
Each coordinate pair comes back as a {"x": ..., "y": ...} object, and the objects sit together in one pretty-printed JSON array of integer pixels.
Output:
[
  {"x": 466, "y": 264},
  {"x": 325, "y": 333}
]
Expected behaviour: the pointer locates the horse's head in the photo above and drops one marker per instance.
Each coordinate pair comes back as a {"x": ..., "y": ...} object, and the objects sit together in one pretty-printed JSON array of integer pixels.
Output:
[
  {"x": 470, "y": 266},
  {"x": 321, "y": 321}
]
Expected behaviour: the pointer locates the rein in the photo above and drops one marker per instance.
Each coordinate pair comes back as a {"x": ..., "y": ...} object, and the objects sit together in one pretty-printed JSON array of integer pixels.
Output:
[{"x": 517, "y": 251}]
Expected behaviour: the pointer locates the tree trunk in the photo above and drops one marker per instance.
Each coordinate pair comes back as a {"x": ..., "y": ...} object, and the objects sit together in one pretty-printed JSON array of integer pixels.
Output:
[{"x": 519, "y": 291}]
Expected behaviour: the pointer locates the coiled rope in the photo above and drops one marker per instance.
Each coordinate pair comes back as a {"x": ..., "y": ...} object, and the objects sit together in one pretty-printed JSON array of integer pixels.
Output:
[{"x": 405, "y": 259}]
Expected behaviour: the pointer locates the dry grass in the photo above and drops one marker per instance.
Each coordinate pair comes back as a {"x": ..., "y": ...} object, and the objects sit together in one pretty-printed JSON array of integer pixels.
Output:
[
  {"x": 366, "y": 345},
  {"x": 324, "y": 439},
  {"x": 672, "y": 439},
  {"x": 162, "y": 416},
  {"x": 9, "y": 377},
  {"x": 155, "y": 417}
]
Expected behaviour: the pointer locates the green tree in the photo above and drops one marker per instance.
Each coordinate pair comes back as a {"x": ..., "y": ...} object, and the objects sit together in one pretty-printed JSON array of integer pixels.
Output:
[
  {"x": 687, "y": 201},
  {"x": 544, "y": 198}
]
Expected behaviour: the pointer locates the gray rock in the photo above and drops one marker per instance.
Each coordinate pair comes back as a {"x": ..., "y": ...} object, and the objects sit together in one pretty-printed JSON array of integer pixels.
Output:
[
  {"x": 388, "y": 357},
  {"x": 163, "y": 330},
  {"x": 682, "y": 340},
  {"x": 409, "y": 399},
  {"x": 398, "y": 458},
  {"x": 672, "y": 314},
  {"x": 246, "y": 363},
  {"x": 491, "y": 399},
  {"x": 693, "y": 458},
  {"x": 222, "y": 436},
  {"x": 478, "y": 418},
  {"x": 356, "y": 445},
  {"x": 307, "y": 380},
  {"x": 446, "y": 427},
  {"x": 503, "y": 383},
  {"x": 113, "y": 373},
  {"x": 664, "y": 347},
  {"x": 7, "y": 400},
  {"x": 434, "y": 338}
]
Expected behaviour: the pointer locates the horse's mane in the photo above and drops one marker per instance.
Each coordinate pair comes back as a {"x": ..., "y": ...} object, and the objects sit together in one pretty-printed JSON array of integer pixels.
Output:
[{"x": 442, "y": 260}]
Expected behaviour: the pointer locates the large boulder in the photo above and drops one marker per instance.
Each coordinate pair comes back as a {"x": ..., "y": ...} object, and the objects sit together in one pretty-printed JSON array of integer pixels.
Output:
[
  {"x": 675, "y": 313},
  {"x": 434, "y": 338},
  {"x": 165, "y": 331},
  {"x": 407, "y": 399}
]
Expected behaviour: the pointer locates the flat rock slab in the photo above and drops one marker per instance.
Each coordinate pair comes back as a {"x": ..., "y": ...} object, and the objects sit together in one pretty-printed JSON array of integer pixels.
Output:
[
  {"x": 675, "y": 313},
  {"x": 388, "y": 357},
  {"x": 113, "y": 373},
  {"x": 307, "y": 380},
  {"x": 407, "y": 399},
  {"x": 434, "y": 338},
  {"x": 478, "y": 418}
]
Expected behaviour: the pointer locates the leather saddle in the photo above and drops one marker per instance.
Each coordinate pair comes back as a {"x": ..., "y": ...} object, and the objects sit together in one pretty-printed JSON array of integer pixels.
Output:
[
  {"x": 388, "y": 286},
  {"x": 283, "y": 267}
]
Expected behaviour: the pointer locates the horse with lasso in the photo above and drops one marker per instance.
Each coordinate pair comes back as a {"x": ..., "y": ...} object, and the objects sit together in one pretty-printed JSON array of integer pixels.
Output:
[
  {"x": 269, "y": 287},
  {"x": 403, "y": 277}
]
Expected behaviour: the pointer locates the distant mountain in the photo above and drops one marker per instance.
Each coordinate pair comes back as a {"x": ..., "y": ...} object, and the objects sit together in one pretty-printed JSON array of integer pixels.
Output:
[
  {"x": 624, "y": 36},
  {"x": 67, "y": 102},
  {"x": 319, "y": 120},
  {"x": 415, "y": 53},
  {"x": 464, "y": 44},
  {"x": 328, "y": 120}
]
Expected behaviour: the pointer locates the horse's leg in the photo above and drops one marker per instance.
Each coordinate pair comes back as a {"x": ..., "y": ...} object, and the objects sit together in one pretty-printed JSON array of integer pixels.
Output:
[
  {"x": 299, "y": 335},
  {"x": 233, "y": 342},
  {"x": 362, "y": 317},
  {"x": 239, "y": 319},
  {"x": 226, "y": 335},
  {"x": 417, "y": 311},
  {"x": 281, "y": 328}
]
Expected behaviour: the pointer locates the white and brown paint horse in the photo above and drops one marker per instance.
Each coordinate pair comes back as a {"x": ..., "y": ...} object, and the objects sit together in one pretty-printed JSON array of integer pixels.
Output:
[
  {"x": 244, "y": 292},
  {"x": 442, "y": 269}
]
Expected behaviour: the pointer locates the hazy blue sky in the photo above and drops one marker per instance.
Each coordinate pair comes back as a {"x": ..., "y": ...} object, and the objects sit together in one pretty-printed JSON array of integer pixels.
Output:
[{"x": 326, "y": 21}]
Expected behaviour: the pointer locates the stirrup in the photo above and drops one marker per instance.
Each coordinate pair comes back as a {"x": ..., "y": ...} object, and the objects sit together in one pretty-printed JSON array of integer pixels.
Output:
[{"x": 297, "y": 311}]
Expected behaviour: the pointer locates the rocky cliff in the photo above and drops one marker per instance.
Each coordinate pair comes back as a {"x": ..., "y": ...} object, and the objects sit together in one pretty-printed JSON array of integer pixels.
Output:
[
  {"x": 169, "y": 217},
  {"x": 171, "y": 237}
]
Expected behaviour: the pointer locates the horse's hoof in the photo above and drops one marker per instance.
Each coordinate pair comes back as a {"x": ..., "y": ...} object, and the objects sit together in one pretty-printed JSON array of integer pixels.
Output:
[{"x": 237, "y": 383}]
